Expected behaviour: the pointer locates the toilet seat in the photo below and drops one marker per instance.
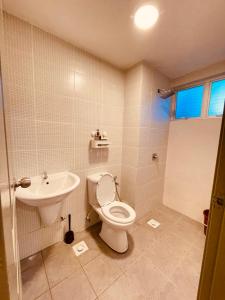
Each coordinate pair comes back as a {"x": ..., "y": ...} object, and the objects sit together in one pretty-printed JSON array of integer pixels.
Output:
[
  {"x": 119, "y": 212},
  {"x": 113, "y": 210}
]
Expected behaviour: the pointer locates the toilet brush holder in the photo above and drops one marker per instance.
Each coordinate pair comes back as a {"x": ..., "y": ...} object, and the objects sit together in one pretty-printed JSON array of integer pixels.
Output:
[{"x": 69, "y": 236}]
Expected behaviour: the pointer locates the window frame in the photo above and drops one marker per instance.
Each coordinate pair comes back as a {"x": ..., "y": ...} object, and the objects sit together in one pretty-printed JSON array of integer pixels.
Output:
[
  {"x": 186, "y": 88},
  {"x": 207, "y": 84},
  {"x": 214, "y": 80}
]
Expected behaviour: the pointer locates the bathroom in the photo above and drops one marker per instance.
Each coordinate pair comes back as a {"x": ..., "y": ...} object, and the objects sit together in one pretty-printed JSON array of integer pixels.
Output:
[{"x": 87, "y": 105}]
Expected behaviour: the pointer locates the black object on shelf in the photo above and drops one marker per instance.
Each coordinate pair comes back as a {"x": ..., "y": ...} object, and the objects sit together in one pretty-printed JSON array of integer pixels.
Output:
[{"x": 69, "y": 236}]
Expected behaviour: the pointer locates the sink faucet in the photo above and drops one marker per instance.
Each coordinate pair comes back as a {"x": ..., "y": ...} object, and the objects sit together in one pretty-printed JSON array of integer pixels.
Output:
[{"x": 44, "y": 175}]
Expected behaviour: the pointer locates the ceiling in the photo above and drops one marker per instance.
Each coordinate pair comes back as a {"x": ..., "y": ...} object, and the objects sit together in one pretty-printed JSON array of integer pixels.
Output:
[{"x": 190, "y": 34}]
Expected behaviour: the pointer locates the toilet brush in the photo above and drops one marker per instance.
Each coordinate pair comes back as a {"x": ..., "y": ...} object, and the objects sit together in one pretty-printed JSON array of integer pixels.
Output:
[{"x": 69, "y": 236}]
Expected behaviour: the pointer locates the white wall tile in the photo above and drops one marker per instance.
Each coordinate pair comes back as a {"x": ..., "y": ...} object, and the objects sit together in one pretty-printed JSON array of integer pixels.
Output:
[
  {"x": 61, "y": 95},
  {"x": 20, "y": 102},
  {"x": 146, "y": 120},
  {"x": 54, "y": 108},
  {"x": 56, "y": 96},
  {"x": 24, "y": 163},
  {"x": 23, "y": 135},
  {"x": 52, "y": 135}
]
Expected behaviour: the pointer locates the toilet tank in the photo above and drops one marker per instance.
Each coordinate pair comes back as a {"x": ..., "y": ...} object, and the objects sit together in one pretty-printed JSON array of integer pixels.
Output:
[{"x": 92, "y": 185}]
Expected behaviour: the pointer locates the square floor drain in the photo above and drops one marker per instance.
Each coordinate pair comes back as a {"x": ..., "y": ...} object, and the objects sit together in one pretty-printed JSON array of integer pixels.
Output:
[
  {"x": 80, "y": 248},
  {"x": 153, "y": 223}
]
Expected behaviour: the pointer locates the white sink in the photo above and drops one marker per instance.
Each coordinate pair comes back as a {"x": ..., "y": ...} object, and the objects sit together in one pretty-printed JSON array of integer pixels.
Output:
[{"x": 48, "y": 194}]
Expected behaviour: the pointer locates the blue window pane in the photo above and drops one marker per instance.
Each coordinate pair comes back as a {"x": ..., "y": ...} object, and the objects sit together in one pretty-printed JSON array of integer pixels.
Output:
[
  {"x": 189, "y": 102},
  {"x": 217, "y": 98}
]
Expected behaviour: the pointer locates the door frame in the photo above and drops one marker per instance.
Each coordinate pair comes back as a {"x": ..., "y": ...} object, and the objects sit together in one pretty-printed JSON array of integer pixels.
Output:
[
  {"x": 4, "y": 287},
  {"x": 4, "y": 283}
]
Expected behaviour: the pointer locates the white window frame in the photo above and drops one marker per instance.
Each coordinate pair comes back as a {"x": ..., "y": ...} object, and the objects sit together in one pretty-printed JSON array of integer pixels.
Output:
[{"x": 205, "y": 101}]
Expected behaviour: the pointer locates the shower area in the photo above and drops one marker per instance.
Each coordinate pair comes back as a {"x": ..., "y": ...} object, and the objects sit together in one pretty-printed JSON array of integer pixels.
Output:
[{"x": 54, "y": 96}]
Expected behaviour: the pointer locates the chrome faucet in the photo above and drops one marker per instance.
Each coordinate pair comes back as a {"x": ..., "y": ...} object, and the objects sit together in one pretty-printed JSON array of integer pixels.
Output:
[{"x": 44, "y": 175}]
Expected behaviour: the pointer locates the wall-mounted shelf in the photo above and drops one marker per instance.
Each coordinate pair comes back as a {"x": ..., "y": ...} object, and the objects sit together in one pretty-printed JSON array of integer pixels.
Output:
[
  {"x": 99, "y": 140},
  {"x": 100, "y": 144}
]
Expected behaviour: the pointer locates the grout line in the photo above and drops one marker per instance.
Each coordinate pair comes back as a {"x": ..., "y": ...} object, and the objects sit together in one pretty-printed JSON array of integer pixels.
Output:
[
  {"x": 85, "y": 274},
  {"x": 46, "y": 275},
  {"x": 36, "y": 298},
  {"x": 123, "y": 271},
  {"x": 53, "y": 122},
  {"x": 82, "y": 266},
  {"x": 68, "y": 276},
  {"x": 111, "y": 284},
  {"x": 50, "y": 288}
]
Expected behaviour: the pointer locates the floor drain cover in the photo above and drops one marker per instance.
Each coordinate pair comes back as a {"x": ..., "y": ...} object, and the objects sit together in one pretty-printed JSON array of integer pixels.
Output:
[
  {"x": 80, "y": 248},
  {"x": 153, "y": 223}
]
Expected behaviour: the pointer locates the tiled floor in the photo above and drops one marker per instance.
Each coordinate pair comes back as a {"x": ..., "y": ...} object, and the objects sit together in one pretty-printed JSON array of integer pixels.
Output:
[{"x": 162, "y": 263}]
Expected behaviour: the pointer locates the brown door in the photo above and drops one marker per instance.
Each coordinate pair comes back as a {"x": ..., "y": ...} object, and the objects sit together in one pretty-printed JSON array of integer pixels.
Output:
[{"x": 212, "y": 281}]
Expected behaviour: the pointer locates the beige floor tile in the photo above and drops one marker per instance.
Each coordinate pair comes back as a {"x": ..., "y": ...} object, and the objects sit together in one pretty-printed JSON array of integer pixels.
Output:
[
  {"x": 55, "y": 249},
  {"x": 170, "y": 213},
  {"x": 75, "y": 287},
  {"x": 146, "y": 277},
  {"x": 31, "y": 261},
  {"x": 45, "y": 296},
  {"x": 132, "y": 228},
  {"x": 168, "y": 292},
  {"x": 177, "y": 244},
  {"x": 186, "y": 279},
  {"x": 195, "y": 255},
  {"x": 102, "y": 272},
  {"x": 160, "y": 264},
  {"x": 142, "y": 238},
  {"x": 190, "y": 230},
  {"x": 167, "y": 253},
  {"x": 60, "y": 262},
  {"x": 163, "y": 259},
  {"x": 123, "y": 288},
  {"x": 34, "y": 282},
  {"x": 165, "y": 216}
]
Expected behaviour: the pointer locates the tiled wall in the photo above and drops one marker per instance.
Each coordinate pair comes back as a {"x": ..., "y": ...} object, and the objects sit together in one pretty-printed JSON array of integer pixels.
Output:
[
  {"x": 146, "y": 123},
  {"x": 133, "y": 82},
  {"x": 56, "y": 95}
]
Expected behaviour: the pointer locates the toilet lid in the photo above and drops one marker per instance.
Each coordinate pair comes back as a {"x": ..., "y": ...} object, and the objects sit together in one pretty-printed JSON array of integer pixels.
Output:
[{"x": 106, "y": 190}]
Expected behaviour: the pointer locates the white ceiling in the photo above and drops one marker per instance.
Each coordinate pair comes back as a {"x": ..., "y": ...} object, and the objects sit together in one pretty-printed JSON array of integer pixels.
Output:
[{"x": 190, "y": 34}]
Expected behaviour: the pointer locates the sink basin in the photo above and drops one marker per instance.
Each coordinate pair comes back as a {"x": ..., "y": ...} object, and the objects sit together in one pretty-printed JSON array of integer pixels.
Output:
[
  {"x": 48, "y": 191},
  {"x": 48, "y": 194}
]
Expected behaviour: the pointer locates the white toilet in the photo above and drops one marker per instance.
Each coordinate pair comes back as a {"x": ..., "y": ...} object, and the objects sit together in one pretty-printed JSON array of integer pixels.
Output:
[{"x": 116, "y": 216}]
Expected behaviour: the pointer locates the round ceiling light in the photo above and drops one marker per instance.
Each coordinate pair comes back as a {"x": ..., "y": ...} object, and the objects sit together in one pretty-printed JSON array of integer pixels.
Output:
[{"x": 146, "y": 16}]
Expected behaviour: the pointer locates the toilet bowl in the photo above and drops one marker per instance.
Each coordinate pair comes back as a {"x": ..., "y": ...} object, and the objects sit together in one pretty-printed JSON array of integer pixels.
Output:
[{"x": 116, "y": 216}]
